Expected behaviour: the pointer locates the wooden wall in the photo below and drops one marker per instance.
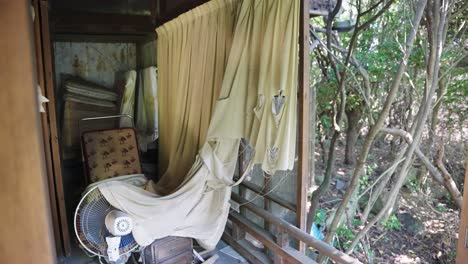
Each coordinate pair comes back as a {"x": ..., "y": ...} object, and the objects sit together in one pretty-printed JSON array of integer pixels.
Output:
[
  {"x": 25, "y": 227},
  {"x": 95, "y": 62}
]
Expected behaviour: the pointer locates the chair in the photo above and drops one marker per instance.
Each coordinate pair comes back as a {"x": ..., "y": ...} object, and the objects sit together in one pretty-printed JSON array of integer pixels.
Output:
[{"x": 109, "y": 153}]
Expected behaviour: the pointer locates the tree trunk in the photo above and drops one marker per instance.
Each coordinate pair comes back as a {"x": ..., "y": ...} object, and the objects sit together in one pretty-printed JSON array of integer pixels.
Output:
[
  {"x": 352, "y": 134},
  {"x": 441, "y": 11},
  {"x": 392, "y": 92},
  {"x": 449, "y": 183},
  {"x": 435, "y": 112}
]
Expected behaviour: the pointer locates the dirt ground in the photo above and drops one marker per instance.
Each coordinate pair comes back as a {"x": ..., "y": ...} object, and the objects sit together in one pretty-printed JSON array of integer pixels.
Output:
[
  {"x": 435, "y": 244},
  {"x": 436, "y": 238}
]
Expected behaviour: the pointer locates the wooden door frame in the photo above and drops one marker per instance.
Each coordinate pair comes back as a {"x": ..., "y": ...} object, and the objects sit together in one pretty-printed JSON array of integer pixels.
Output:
[
  {"x": 45, "y": 68},
  {"x": 303, "y": 117},
  {"x": 26, "y": 224},
  {"x": 46, "y": 130}
]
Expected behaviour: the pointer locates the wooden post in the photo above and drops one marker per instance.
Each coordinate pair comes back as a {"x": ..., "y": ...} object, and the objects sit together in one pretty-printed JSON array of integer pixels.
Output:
[
  {"x": 462, "y": 248},
  {"x": 266, "y": 202},
  {"x": 25, "y": 224},
  {"x": 46, "y": 131},
  {"x": 54, "y": 141},
  {"x": 237, "y": 232},
  {"x": 303, "y": 101},
  {"x": 267, "y": 206},
  {"x": 282, "y": 239}
]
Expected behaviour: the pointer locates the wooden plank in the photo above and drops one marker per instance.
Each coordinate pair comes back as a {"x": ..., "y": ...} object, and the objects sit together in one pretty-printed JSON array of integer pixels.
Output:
[
  {"x": 46, "y": 133},
  {"x": 26, "y": 228},
  {"x": 50, "y": 94},
  {"x": 267, "y": 202},
  {"x": 462, "y": 247},
  {"x": 171, "y": 9},
  {"x": 303, "y": 101},
  {"x": 247, "y": 251},
  {"x": 268, "y": 240},
  {"x": 271, "y": 196},
  {"x": 98, "y": 23},
  {"x": 242, "y": 166},
  {"x": 93, "y": 38},
  {"x": 295, "y": 232}
]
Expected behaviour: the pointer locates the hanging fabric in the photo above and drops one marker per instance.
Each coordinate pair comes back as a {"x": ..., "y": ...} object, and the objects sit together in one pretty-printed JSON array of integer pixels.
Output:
[
  {"x": 147, "y": 109},
  {"x": 257, "y": 102},
  {"x": 127, "y": 106},
  {"x": 192, "y": 57},
  {"x": 258, "y": 99}
]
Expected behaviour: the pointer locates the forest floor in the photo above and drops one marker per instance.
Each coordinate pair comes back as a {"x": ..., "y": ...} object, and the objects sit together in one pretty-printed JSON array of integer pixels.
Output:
[{"x": 429, "y": 222}]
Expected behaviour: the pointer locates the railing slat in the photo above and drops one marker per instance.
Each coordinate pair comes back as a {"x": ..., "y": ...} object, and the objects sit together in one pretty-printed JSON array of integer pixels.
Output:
[
  {"x": 246, "y": 250},
  {"x": 319, "y": 245},
  {"x": 268, "y": 240},
  {"x": 271, "y": 196}
]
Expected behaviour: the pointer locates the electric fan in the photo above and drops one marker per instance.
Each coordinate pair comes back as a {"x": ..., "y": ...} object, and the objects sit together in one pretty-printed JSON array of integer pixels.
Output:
[{"x": 97, "y": 224}]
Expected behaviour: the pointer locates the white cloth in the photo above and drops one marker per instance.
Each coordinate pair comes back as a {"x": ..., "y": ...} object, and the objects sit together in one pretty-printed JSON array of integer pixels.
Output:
[
  {"x": 198, "y": 209},
  {"x": 41, "y": 99},
  {"x": 127, "y": 106}
]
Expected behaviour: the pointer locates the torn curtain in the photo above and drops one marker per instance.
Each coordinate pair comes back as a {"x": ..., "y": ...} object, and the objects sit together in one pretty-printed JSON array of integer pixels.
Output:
[{"x": 257, "y": 101}]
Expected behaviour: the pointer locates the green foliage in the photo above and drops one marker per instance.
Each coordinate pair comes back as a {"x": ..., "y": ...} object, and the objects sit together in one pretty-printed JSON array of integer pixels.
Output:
[
  {"x": 440, "y": 207},
  {"x": 356, "y": 222},
  {"x": 455, "y": 97},
  {"x": 345, "y": 236},
  {"x": 414, "y": 185},
  {"x": 371, "y": 168},
  {"x": 370, "y": 253},
  {"x": 326, "y": 122},
  {"x": 392, "y": 223},
  {"x": 352, "y": 101},
  {"x": 364, "y": 181},
  {"x": 320, "y": 216}
]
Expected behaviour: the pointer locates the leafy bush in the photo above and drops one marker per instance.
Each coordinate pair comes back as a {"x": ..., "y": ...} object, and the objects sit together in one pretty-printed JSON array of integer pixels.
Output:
[
  {"x": 345, "y": 235},
  {"x": 356, "y": 222},
  {"x": 414, "y": 185},
  {"x": 320, "y": 216},
  {"x": 393, "y": 223}
]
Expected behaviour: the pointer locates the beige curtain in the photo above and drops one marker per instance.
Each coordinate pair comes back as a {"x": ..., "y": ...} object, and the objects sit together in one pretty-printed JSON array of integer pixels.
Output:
[
  {"x": 192, "y": 56},
  {"x": 258, "y": 98},
  {"x": 257, "y": 102}
]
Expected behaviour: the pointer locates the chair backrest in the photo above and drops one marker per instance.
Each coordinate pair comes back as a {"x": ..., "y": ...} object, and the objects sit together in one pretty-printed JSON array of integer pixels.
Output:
[{"x": 110, "y": 153}]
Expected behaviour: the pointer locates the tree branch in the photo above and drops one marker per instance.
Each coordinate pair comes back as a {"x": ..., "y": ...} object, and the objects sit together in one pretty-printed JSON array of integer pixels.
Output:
[
  {"x": 373, "y": 18},
  {"x": 443, "y": 177}
]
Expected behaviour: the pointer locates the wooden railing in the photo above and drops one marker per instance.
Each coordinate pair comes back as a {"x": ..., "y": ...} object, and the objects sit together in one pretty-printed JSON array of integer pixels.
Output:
[{"x": 278, "y": 244}]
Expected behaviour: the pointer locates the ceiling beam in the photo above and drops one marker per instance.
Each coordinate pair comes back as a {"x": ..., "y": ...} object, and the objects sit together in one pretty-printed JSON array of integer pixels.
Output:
[
  {"x": 101, "y": 24},
  {"x": 170, "y": 9}
]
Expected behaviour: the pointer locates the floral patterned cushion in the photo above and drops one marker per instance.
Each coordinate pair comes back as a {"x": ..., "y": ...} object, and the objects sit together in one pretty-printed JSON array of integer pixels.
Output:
[{"x": 111, "y": 153}]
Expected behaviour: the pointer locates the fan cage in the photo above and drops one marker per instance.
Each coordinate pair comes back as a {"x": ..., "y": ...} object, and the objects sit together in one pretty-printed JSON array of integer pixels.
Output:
[{"x": 90, "y": 226}]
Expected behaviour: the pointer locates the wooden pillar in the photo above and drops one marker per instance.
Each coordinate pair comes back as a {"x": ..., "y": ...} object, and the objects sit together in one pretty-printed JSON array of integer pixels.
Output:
[
  {"x": 266, "y": 202},
  {"x": 25, "y": 226},
  {"x": 46, "y": 129},
  {"x": 237, "y": 232},
  {"x": 462, "y": 248},
  {"x": 53, "y": 136},
  {"x": 303, "y": 101}
]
